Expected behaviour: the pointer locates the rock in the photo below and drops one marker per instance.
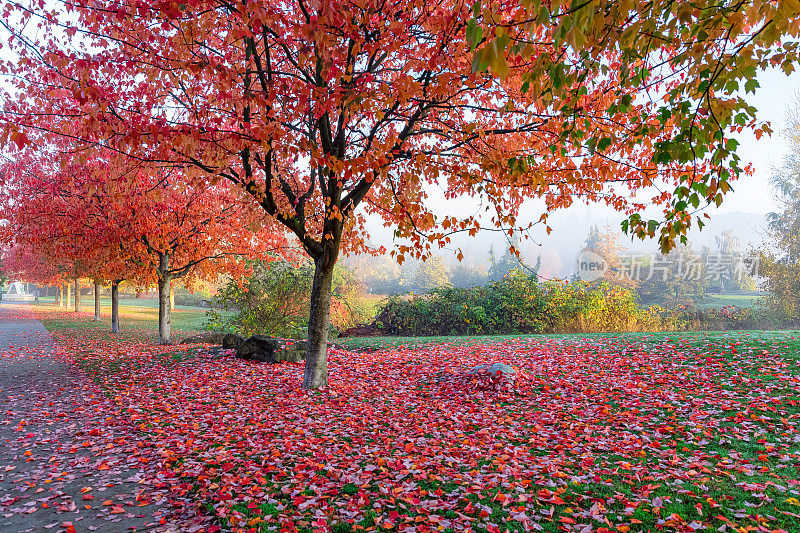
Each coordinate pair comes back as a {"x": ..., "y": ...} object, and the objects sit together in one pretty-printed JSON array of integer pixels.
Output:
[
  {"x": 258, "y": 348},
  {"x": 270, "y": 350},
  {"x": 293, "y": 352},
  {"x": 364, "y": 330},
  {"x": 495, "y": 369},
  {"x": 477, "y": 369},
  {"x": 204, "y": 338},
  {"x": 218, "y": 352},
  {"x": 231, "y": 341}
]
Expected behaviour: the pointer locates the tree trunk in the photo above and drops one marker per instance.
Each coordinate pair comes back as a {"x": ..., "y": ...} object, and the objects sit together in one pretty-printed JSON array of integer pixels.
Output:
[
  {"x": 164, "y": 286},
  {"x": 77, "y": 295},
  {"x": 96, "y": 301},
  {"x": 316, "y": 372},
  {"x": 69, "y": 296},
  {"x": 115, "y": 307},
  {"x": 61, "y": 296},
  {"x": 171, "y": 300}
]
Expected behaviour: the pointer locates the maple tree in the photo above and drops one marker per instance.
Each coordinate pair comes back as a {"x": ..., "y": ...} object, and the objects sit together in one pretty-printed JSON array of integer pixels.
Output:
[
  {"x": 33, "y": 231},
  {"x": 49, "y": 209},
  {"x": 181, "y": 232},
  {"x": 318, "y": 109},
  {"x": 26, "y": 263},
  {"x": 129, "y": 223}
]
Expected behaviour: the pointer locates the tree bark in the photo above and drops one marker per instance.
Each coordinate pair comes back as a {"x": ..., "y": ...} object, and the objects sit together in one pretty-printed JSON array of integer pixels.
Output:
[
  {"x": 316, "y": 371},
  {"x": 77, "y": 295},
  {"x": 171, "y": 300},
  {"x": 61, "y": 296},
  {"x": 115, "y": 307},
  {"x": 164, "y": 286},
  {"x": 96, "y": 301},
  {"x": 69, "y": 296}
]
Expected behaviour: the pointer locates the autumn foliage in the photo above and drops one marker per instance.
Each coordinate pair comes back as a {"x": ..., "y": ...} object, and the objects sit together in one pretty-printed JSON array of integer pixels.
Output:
[
  {"x": 323, "y": 112},
  {"x": 142, "y": 224}
]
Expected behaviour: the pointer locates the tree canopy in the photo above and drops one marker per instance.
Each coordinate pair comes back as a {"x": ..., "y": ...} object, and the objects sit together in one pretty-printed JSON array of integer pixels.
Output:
[
  {"x": 317, "y": 109},
  {"x": 99, "y": 219}
]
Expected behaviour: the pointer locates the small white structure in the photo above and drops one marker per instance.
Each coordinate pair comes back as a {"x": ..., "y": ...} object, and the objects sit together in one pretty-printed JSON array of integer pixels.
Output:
[{"x": 16, "y": 293}]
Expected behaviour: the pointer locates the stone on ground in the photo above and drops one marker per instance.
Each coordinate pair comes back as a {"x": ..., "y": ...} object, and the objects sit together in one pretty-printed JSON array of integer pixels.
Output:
[
  {"x": 269, "y": 350},
  {"x": 232, "y": 342},
  {"x": 495, "y": 369}
]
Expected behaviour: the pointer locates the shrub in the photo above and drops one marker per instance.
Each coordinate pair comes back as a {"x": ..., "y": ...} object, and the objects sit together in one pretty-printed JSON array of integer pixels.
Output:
[
  {"x": 518, "y": 304},
  {"x": 274, "y": 300},
  {"x": 728, "y": 317}
]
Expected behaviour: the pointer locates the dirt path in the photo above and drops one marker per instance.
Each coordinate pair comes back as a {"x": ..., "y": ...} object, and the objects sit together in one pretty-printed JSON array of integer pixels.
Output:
[{"x": 64, "y": 465}]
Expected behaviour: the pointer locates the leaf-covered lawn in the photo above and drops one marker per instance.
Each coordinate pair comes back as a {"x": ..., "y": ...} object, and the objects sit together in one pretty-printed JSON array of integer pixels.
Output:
[{"x": 614, "y": 433}]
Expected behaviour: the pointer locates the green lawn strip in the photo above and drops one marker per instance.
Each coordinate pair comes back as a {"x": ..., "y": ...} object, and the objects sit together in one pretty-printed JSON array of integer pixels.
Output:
[
  {"x": 718, "y": 301},
  {"x": 694, "y": 338},
  {"x": 132, "y": 315}
]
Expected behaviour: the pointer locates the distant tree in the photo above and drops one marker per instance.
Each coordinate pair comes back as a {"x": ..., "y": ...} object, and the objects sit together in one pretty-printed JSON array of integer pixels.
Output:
[
  {"x": 508, "y": 262},
  {"x": 31, "y": 264},
  {"x": 725, "y": 265},
  {"x": 679, "y": 277},
  {"x": 593, "y": 238},
  {"x": 408, "y": 270},
  {"x": 380, "y": 274},
  {"x": 431, "y": 274},
  {"x": 464, "y": 275},
  {"x": 780, "y": 255},
  {"x": 607, "y": 243}
]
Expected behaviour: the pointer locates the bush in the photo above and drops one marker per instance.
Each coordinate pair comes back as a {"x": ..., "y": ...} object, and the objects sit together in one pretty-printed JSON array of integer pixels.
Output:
[
  {"x": 275, "y": 300},
  {"x": 518, "y": 304},
  {"x": 729, "y": 317}
]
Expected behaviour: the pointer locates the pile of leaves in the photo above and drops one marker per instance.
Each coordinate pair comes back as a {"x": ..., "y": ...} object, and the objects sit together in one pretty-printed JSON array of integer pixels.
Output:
[{"x": 615, "y": 433}]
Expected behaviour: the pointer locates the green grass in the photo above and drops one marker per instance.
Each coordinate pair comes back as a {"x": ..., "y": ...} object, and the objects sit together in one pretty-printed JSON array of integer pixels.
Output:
[
  {"x": 718, "y": 301},
  {"x": 87, "y": 302},
  {"x": 134, "y": 315},
  {"x": 694, "y": 337},
  {"x": 143, "y": 315}
]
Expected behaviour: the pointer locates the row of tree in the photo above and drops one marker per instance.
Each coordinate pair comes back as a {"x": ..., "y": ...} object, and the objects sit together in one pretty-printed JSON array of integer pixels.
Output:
[{"x": 69, "y": 217}]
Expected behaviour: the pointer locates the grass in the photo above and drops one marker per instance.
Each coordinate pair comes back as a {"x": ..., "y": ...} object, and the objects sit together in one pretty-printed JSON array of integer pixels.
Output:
[
  {"x": 135, "y": 316},
  {"x": 718, "y": 301},
  {"x": 377, "y": 343},
  {"x": 87, "y": 303},
  {"x": 142, "y": 314}
]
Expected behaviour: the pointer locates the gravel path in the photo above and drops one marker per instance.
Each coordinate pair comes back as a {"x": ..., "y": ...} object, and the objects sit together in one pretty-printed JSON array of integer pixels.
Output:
[{"x": 64, "y": 465}]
